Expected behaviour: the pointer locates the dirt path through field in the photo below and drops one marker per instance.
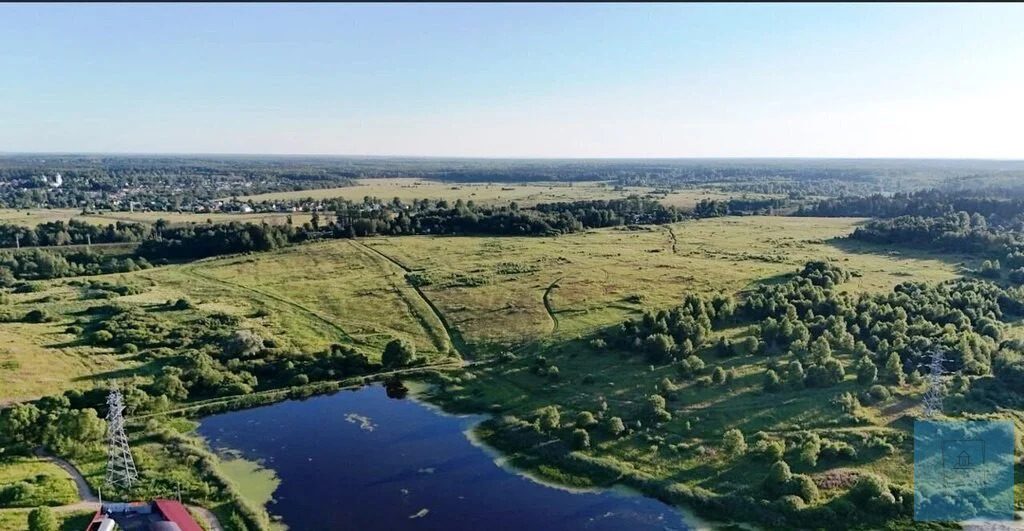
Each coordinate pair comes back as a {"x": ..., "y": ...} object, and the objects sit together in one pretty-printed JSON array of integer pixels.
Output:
[{"x": 454, "y": 337}]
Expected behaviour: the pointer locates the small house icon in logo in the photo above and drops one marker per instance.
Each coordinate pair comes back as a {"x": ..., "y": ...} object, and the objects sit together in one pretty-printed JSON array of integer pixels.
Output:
[{"x": 963, "y": 460}]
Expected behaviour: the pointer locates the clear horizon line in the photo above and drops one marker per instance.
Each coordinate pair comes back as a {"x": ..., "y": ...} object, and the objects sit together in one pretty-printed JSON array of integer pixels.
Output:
[{"x": 498, "y": 157}]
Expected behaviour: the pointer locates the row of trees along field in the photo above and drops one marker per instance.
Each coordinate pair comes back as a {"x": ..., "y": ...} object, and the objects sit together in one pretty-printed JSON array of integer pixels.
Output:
[{"x": 192, "y": 241}]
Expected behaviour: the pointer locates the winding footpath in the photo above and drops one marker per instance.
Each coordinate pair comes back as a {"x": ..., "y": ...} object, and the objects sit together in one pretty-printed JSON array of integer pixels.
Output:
[{"x": 549, "y": 307}]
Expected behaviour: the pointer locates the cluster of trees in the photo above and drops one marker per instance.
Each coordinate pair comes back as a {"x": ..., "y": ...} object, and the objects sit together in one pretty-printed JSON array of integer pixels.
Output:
[
  {"x": 890, "y": 335},
  {"x": 188, "y": 242},
  {"x": 674, "y": 334},
  {"x": 710, "y": 208},
  {"x": 957, "y": 232},
  {"x": 73, "y": 232},
  {"x": 52, "y": 421},
  {"x": 41, "y": 264}
]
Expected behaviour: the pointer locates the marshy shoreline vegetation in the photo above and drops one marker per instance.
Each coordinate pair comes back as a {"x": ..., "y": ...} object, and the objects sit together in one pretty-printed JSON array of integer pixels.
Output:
[{"x": 613, "y": 342}]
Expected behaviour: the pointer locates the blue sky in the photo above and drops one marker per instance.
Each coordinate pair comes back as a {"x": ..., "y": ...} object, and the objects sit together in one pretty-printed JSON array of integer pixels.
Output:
[{"x": 534, "y": 80}]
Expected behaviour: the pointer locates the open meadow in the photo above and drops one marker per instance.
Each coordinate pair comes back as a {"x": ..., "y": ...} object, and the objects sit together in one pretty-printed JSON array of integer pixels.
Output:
[
  {"x": 493, "y": 292},
  {"x": 524, "y": 193},
  {"x": 502, "y": 291}
]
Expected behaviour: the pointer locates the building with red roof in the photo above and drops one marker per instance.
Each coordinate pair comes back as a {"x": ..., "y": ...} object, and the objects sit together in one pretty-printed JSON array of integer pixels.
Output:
[{"x": 160, "y": 515}]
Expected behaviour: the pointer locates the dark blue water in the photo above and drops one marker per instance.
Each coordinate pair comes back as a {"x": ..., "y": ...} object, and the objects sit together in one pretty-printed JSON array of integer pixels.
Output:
[{"x": 361, "y": 460}]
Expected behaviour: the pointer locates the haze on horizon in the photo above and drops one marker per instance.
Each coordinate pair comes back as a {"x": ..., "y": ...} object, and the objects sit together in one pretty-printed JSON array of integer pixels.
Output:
[{"x": 533, "y": 80}]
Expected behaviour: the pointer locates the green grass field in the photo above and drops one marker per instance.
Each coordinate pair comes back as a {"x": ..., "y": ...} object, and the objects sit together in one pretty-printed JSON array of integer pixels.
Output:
[
  {"x": 491, "y": 290},
  {"x": 50, "y": 485},
  {"x": 542, "y": 294},
  {"x": 600, "y": 277},
  {"x": 526, "y": 194},
  {"x": 17, "y": 520}
]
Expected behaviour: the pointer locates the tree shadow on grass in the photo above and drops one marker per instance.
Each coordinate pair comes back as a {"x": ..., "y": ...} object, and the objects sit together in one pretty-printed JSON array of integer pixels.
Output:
[
  {"x": 900, "y": 252},
  {"x": 151, "y": 368}
]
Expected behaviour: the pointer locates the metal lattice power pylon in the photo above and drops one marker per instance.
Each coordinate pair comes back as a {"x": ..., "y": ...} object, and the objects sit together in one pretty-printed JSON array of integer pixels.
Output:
[
  {"x": 933, "y": 396},
  {"x": 121, "y": 470}
]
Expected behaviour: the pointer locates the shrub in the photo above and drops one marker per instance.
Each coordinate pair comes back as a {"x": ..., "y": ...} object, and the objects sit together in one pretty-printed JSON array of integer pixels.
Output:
[
  {"x": 718, "y": 376},
  {"x": 772, "y": 383},
  {"x": 73, "y": 330},
  {"x": 36, "y": 316},
  {"x": 810, "y": 449},
  {"x": 586, "y": 419},
  {"x": 42, "y": 519},
  {"x": 129, "y": 348},
  {"x": 398, "y": 353},
  {"x": 182, "y": 304},
  {"x": 770, "y": 451},
  {"x": 804, "y": 487},
  {"x": 16, "y": 492},
  {"x": 733, "y": 443},
  {"x": 580, "y": 439},
  {"x": 872, "y": 493},
  {"x": 548, "y": 418},
  {"x": 102, "y": 337},
  {"x": 879, "y": 393},
  {"x": 616, "y": 426},
  {"x": 866, "y": 371},
  {"x": 778, "y": 478}
]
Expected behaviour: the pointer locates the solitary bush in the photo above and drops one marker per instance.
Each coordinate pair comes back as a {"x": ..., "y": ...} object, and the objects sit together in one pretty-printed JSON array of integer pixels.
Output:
[
  {"x": 879, "y": 393},
  {"x": 616, "y": 426},
  {"x": 398, "y": 353},
  {"x": 102, "y": 337},
  {"x": 42, "y": 519},
  {"x": 548, "y": 418},
  {"x": 37, "y": 316},
  {"x": 585, "y": 419},
  {"x": 580, "y": 439},
  {"x": 733, "y": 443}
]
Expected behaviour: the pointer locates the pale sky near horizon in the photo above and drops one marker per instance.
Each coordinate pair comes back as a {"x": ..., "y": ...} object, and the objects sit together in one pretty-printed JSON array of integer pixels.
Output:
[{"x": 506, "y": 80}]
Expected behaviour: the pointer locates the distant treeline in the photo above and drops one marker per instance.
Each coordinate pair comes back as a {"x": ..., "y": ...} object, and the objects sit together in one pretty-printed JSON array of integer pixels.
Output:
[
  {"x": 1001, "y": 207},
  {"x": 350, "y": 219}
]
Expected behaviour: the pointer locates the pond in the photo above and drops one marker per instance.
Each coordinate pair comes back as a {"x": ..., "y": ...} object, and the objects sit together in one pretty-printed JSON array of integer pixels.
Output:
[{"x": 362, "y": 460}]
